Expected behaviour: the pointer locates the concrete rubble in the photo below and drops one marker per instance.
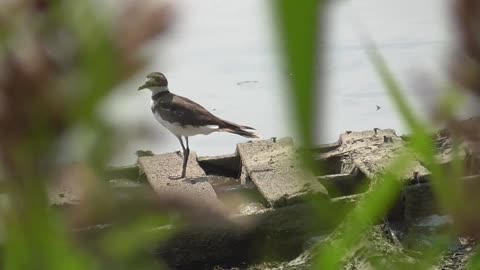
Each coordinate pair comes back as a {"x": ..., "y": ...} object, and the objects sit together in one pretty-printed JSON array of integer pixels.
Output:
[
  {"x": 161, "y": 172},
  {"x": 267, "y": 193},
  {"x": 274, "y": 168}
]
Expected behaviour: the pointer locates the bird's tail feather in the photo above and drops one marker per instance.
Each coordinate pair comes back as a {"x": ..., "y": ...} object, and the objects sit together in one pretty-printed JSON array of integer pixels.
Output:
[
  {"x": 244, "y": 131},
  {"x": 241, "y": 132}
]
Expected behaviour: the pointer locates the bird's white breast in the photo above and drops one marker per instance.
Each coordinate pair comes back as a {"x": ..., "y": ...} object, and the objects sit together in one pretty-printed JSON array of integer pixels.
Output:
[{"x": 179, "y": 130}]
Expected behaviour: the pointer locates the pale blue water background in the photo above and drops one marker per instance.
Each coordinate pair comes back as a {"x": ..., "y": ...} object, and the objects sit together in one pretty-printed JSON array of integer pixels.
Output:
[{"x": 215, "y": 44}]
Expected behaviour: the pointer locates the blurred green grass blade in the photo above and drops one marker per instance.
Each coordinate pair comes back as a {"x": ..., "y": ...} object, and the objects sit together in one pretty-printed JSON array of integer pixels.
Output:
[
  {"x": 98, "y": 57},
  {"x": 422, "y": 142},
  {"x": 445, "y": 183},
  {"x": 298, "y": 24},
  {"x": 368, "y": 211},
  {"x": 37, "y": 240},
  {"x": 395, "y": 91},
  {"x": 474, "y": 262}
]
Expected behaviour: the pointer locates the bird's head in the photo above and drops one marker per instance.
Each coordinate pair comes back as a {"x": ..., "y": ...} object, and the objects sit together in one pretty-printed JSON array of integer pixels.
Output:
[{"x": 155, "y": 80}]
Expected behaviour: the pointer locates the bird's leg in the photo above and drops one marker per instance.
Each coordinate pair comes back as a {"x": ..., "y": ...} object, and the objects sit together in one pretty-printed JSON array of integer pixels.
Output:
[
  {"x": 183, "y": 152},
  {"x": 186, "y": 153},
  {"x": 181, "y": 143}
]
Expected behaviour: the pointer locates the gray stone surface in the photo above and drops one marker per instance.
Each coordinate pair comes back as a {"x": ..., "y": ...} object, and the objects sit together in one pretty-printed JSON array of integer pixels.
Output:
[
  {"x": 274, "y": 168},
  {"x": 373, "y": 151},
  {"x": 365, "y": 140},
  {"x": 160, "y": 169}
]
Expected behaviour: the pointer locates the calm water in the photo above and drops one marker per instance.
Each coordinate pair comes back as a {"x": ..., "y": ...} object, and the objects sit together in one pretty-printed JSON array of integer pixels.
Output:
[{"x": 216, "y": 44}]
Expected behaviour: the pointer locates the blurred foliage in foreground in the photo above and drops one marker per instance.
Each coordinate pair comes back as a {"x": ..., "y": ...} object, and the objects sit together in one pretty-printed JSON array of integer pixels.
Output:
[
  {"x": 298, "y": 25},
  {"x": 60, "y": 59}
]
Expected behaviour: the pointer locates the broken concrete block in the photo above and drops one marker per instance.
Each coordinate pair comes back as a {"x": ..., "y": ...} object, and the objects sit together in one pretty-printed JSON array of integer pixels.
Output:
[
  {"x": 275, "y": 170},
  {"x": 161, "y": 171},
  {"x": 372, "y": 154}
]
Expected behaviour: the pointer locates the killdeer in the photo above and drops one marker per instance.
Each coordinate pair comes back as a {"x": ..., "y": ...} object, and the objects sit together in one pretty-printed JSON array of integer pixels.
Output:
[{"x": 185, "y": 118}]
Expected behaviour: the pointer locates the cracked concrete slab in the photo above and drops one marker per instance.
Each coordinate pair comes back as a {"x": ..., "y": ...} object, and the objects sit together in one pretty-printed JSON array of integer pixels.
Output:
[
  {"x": 160, "y": 171},
  {"x": 275, "y": 170}
]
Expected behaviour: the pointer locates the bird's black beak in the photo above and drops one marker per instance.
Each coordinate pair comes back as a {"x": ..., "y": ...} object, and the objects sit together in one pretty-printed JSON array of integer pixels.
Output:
[{"x": 145, "y": 85}]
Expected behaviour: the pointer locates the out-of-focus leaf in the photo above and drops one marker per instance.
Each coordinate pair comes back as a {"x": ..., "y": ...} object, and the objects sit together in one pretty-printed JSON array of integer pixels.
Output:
[
  {"x": 474, "y": 262},
  {"x": 300, "y": 24},
  {"x": 446, "y": 182},
  {"x": 421, "y": 140},
  {"x": 98, "y": 58},
  {"x": 37, "y": 240}
]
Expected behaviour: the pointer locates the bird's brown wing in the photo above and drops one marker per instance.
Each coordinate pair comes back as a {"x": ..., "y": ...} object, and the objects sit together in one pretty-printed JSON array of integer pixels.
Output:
[{"x": 173, "y": 108}]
